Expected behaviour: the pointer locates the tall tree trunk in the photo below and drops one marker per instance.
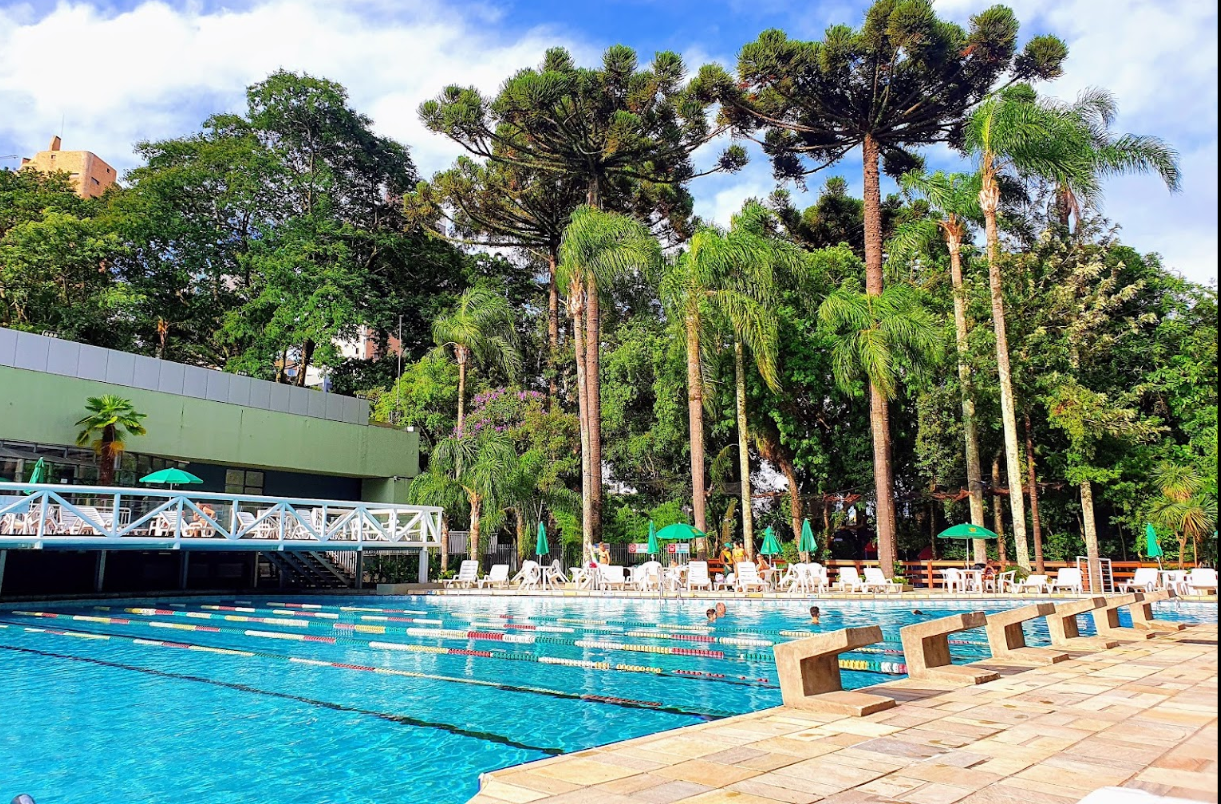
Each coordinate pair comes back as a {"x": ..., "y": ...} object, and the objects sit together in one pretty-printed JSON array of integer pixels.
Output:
[
  {"x": 473, "y": 536},
  {"x": 307, "y": 357},
  {"x": 444, "y": 544},
  {"x": 106, "y": 458},
  {"x": 974, "y": 476},
  {"x": 576, "y": 305},
  {"x": 998, "y": 513},
  {"x": 460, "y": 354},
  {"x": 932, "y": 530},
  {"x": 593, "y": 392},
  {"x": 1090, "y": 532},
  {"x": 695, "y": 423},
  {"x": 879, "y": 416},
  {"x": 553, "y": 327},
  {"x": 826, "y": 528},
  {"x": 790, "y": 475},
  {"x": 1036, "y": 531},
  {"x": 989, "y": 200},
  {"x": 748, "y": 524}
]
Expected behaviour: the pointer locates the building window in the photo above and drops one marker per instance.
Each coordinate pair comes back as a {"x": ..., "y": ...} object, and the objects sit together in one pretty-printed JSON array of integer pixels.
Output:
[{"x": 239, "y": 481}]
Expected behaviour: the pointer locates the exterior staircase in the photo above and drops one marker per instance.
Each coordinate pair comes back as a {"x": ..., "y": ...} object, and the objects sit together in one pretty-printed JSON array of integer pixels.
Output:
[{"x": 310, "y": 570}]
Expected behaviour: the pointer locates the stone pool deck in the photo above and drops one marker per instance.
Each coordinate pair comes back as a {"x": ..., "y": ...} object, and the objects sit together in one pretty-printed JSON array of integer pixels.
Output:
[{"x": 1143, "y": 715}]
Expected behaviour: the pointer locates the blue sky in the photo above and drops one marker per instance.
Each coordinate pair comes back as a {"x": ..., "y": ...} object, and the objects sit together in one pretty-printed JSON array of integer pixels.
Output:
[{"x": 112, "y": 73}]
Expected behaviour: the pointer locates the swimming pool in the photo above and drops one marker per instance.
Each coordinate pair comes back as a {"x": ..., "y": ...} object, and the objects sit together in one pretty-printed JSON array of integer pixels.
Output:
[{"x": 292, "y": 700}]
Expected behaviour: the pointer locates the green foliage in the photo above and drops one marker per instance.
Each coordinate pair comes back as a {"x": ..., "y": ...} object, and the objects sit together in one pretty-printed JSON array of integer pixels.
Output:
[{"x": 107, "y": 425}]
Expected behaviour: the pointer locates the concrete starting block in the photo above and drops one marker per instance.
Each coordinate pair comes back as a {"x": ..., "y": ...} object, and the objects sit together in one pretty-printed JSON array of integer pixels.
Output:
[
  {"x": 1007, "y": 640},
  {"x": 1106, "y": 619},
  {"x": 1142, "y": 612},
  {"x": 1065, "y": 632},
  {"x": 926, "y": 649},
  {"x": 809, "y": 673}
]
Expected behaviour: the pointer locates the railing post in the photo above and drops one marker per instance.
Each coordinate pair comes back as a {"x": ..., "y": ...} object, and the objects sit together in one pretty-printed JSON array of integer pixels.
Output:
[
  {"x": 114, "y": 516},
  {"x": 42, "y": 516}
]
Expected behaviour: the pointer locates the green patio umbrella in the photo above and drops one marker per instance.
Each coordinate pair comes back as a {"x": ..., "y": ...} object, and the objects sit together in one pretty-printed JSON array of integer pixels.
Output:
[
  {"x": 172, "y": 477},
  {"x": 771, "y": 545},
  {"x": 1152, "y": 548},
  {"x": 966, "y": 531},
  {"x": 806, "y": 545},
  {"x": 541, "y": 548},
  {"x": 39, "y": 473},
  {"x": 654, "y": 545},
  {"x": 679, "y": 532}
]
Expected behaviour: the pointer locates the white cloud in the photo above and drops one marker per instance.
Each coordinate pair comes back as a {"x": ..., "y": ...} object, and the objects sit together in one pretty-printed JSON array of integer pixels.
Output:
[{"x": 156, "y": 71}]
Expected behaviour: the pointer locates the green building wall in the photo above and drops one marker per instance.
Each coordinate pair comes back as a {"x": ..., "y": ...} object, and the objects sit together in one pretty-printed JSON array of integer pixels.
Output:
[{"x": 43, "y": 408}]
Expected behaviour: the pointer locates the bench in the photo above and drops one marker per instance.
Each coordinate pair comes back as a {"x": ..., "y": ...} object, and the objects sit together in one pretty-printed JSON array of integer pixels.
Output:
[
  {"x": 1106, "y": 619},
  {"x": 1007, "y": 640},
  {"x": 1142, "y": 612},
  {"x": 926, "y": 649},
  {"x": 1065, "y": 632},
  {"x": 810, "y": 678}
]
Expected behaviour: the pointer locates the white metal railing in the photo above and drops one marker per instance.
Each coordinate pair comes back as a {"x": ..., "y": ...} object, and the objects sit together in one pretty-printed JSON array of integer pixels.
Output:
[{"x": 45, "y": 515}]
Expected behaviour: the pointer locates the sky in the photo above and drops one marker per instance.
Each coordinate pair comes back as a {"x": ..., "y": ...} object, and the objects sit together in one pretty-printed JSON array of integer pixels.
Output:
[{"x": 106, "y": 75}]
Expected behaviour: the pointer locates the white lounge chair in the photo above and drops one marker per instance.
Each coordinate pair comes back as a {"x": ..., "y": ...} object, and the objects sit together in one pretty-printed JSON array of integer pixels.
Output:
[
  {"x": 1143, "y": 580},
  {"x": 1202, "y": 580},
  {"x": 1070, "y": 579},
  {"x": 468, "y": 575},
  {"x": 612, "y": 576},
  {"x": 1037, "y": 583},
  {"x": 850, "y": 580},
  {"x": 875, "y": 580},
  {"x": 746, "y": 577},
  {"x": 498, "y": 577},
  {"x": 697, "y": 576},
  {"x": 90, "y": 519},
  {"x": 647, "y": 576}
]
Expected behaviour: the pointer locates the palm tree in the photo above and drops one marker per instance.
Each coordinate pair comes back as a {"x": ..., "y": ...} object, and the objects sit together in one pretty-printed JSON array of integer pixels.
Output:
[
  {"x": 873, "y": 338},
  {"x": 953, "y": 204},
  {"x": 1110, "y": 154},
  {"x": 481, "y": 468},
  {"x": 1011, "y": 132},
  {"x": 723, "y": 276},
  {"x": 111, "y": 419},
  {"x": 480, "y": 327},
  {"x": 597, "y": 248},
  {"x": 1183, "y": 507}
]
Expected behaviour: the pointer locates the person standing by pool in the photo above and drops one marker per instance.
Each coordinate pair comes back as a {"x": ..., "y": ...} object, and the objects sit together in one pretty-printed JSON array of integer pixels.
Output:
[{"x": 739, "y": 553}]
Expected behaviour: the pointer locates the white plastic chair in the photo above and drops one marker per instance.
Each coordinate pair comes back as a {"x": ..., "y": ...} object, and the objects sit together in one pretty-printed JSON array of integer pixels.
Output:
[
  {"x": 1002, "y": 582},
  {"x": 528, "y": 576},
  {"x": 554, "y": 574},
  {"x": 746, "y": 576},
  {"x": 468, "y": 575},
  {"x": 955, "y": 580},
  {"x": 697, "y": 576},
  {"x": 1143, "y": 580},
  {"x": 647, "y": 576},
  {"x": 1202, "y": 579},
  {"x": 497, "y": 577},
  {"x": 850, "y": 580},
  {"x": 1068, "y": 578},
  {"x": 874, "y": 579}
]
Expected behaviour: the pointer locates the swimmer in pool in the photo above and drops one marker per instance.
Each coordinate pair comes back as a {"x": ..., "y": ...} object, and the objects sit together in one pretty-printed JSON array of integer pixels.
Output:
[
  {"x": 721, "y": 611},
  {"x": 711, "y": 614},
  {"x": 917, "y": 612},
  {"x": 815, "y": 614}
]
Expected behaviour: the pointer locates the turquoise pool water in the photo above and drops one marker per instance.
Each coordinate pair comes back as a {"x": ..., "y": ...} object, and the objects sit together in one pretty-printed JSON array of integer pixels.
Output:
[{"x": 290, "y": 700}]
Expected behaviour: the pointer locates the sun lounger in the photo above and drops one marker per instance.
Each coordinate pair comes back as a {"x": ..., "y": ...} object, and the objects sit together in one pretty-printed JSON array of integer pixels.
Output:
[
  {"x": 468, "y": 576},
  {"x": 875, "y": 581},
  {"x": 612, "y": 576},
  {"x": 1070, "y": 579},
  {"x": 697, "y": 576},
  {"x": 746, "y": 577},
  {"x": 1202, "y": 580},
  {"x": 1143, "y": 580},
  {"x": 497, "y": 577},
  {"x": 1037, "y": 583},
  {"x": 850, "y": 580}
]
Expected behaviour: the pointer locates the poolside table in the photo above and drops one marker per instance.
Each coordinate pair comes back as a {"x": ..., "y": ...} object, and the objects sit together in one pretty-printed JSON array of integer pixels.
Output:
[
  {"x": 975, "y": 579},
  {"x": 1175, "y": 580}
]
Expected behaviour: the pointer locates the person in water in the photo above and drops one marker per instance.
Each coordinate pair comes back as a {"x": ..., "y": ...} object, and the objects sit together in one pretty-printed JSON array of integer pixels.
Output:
[
  {"x": 720, "y": 610},
  {"x": 815, "y": 614},
  {"x": 711, "y": 615},
  {"x": 917, "y": 612}
]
